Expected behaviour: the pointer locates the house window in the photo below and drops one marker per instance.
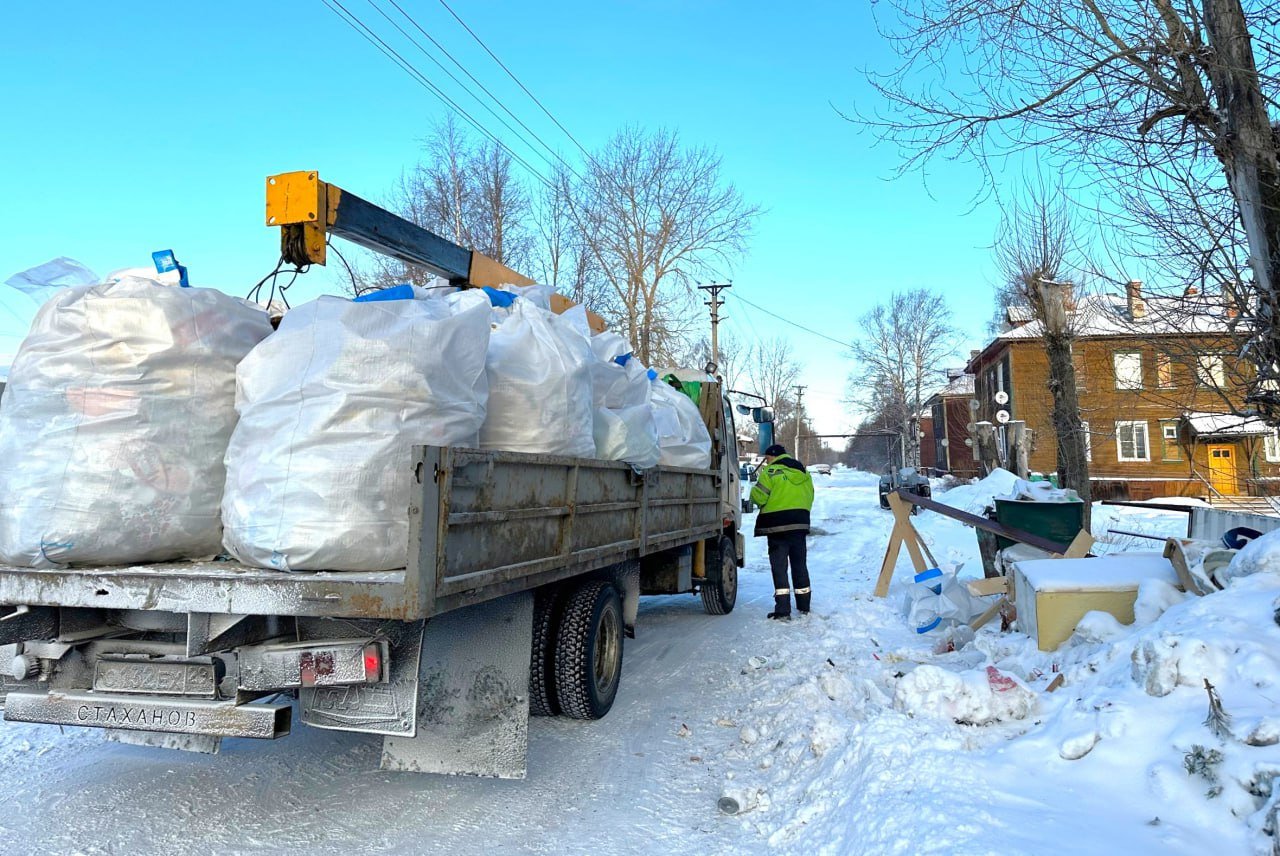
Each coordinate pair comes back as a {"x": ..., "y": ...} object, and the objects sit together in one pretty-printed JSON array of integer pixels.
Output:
[
  {"x": 1209, "y": 371},
  {"x": 1170, "y": 449},
  {"x": 1131, "y": 442},
  {"x": 1128, "y": 365},
  {"x": 1077, "y": 363},
  {"x": 1271, "y": 446},
  {"x": 1088, "y": 441},
  {"x": 1164, "y": 371}
]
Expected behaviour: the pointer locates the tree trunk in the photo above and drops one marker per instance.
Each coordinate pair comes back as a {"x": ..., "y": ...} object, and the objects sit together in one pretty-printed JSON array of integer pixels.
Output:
[
  {"x": 1018, "y": 452},
  {"x": 1073, "y": 464},
  {"x": 988, "y": 452},
  {"x": 1250, "y": 154}
]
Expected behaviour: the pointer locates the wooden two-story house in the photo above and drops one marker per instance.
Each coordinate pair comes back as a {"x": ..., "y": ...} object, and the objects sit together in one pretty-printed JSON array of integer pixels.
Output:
[
  {"x": 950, "y": 414},
  {"x": 1158, "y": 380}
]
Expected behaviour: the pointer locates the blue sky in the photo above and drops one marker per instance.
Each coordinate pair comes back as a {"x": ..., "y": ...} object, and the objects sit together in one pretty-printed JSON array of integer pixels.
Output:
[{"x": 145, "y": 125}]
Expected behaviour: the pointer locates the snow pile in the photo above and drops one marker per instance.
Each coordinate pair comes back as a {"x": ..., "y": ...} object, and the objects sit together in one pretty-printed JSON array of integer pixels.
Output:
[
  {"x": 1041, "y": 491},
  {"x": 973, "y": 697},
  {"x": 975, "y": 497}
]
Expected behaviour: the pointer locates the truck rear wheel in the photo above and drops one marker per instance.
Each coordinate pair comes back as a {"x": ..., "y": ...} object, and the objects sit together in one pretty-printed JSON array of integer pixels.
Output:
[
  {"x": 542, "y": 686},
  {"x": 588, "y": 655},
  {"x": 719, "y": 598}
]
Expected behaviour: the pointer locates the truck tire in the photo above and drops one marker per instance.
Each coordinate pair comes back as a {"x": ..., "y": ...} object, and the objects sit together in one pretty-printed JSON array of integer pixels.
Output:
[
  {"x": 542, "y": 687},
  {"x": 719, "y": 598},
  {"x": 588, "y": 656}
]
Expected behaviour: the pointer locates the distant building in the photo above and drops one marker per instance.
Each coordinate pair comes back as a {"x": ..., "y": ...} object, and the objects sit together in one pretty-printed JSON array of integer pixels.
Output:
[
  {"x": 1157, "y": 379},
  {"x": 950, "y": 414}
]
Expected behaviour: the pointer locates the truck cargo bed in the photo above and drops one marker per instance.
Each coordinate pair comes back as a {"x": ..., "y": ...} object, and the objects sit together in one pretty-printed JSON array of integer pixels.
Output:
[{"x": 482, "y": 524}]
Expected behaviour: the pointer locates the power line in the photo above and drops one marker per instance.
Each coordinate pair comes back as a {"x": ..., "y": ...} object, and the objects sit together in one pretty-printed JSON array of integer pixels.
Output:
[
  {"x": 512, "y": 75},
  {"x": 483, "y": 88},
  {"x": 352, "y": 20},
  {"x": 792, "y": 323}
]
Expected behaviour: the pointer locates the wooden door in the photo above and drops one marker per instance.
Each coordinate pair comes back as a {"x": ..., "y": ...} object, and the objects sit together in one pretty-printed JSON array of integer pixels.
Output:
[{"x": 1222, "y": 469}]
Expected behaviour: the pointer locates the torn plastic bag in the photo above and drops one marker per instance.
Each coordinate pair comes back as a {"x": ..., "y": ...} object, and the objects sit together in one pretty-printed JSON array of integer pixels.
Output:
[
  {"x": 115, "y": 422},
  {"x": 540, "y": 398},
  {"x": 320, "y": 468}
]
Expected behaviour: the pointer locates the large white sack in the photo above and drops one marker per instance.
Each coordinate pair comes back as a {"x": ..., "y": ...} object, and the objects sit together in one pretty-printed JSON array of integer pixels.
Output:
[
  {"x": 624, "y": 426},
  {"x": 319, "y": 470},
  {"x": 540, "y": 398},
  {"x": 115, "y": 421},
  {"x": 682, "y": 434}
]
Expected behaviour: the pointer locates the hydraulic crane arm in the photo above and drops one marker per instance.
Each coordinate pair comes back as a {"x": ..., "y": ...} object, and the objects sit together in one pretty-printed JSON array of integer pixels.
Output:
[{"x": 309, "y": 210}]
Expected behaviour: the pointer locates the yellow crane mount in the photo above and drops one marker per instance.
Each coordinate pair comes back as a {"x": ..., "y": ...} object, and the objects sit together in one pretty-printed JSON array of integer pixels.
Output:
[{"x": 309, "y": 210}]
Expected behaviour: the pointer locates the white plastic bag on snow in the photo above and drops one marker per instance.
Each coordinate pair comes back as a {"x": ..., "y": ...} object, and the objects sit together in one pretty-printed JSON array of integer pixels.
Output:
[
  {"x": 115, "y": 421},
  {"x": 540, "y": 398},
  {"x": 682, "y": 435},
  {"x": 937, "y": 601},
  {"x": 319, "y": 469}
]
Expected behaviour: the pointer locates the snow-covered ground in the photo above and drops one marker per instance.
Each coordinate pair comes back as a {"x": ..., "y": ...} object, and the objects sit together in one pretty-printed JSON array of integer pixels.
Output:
[{"x": 842, "y": 733}]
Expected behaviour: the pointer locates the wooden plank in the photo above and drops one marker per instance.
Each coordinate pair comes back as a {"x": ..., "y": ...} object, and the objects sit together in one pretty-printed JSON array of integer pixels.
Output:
[
  {"x": 992, "y": 612},
  {"x": 983, "y": 523},
  {"x": 1079, "y": 546},
  {"x": 989, "y": 586}
]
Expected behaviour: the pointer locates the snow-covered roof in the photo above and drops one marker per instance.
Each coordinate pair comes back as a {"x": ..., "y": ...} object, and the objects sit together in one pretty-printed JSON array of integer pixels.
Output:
[
  {"x": 1108, "y": 315},
  {"x": 1226, "y": 425},
  {"x": 962, "y": 385}
]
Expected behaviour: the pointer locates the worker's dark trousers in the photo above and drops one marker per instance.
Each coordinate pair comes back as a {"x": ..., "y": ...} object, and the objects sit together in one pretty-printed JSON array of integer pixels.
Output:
[{"x": 783, "y": 547}]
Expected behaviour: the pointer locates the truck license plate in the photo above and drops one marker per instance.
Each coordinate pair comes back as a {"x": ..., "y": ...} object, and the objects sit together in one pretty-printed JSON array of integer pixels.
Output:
[{"x": 194, "y": 680}]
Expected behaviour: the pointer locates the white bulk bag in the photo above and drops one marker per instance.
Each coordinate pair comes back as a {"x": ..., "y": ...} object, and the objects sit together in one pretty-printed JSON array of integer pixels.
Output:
[
  {"x": 682, "y": 435},
  {"x": 319, "y": 468},
  {"x": 624, "y": 426},
  {"x": 540, "y": 398},
  {"x": 115, "y": 421}
]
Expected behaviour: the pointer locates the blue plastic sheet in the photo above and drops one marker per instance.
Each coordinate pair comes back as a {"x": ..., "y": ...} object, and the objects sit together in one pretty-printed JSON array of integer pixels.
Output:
[{"x": 396, "y": 292}]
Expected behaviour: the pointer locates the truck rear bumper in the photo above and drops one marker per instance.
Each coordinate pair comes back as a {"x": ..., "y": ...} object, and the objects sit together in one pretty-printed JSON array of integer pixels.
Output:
[{"x": 163, "y": 714}]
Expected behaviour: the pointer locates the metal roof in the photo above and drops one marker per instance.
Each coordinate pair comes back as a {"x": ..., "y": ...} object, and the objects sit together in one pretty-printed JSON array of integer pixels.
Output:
[{"x": 1226, "y": 425}]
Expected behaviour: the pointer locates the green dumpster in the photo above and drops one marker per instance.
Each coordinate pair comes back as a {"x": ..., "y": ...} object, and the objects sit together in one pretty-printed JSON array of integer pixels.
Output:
[{"x": 1057, "y": 521}]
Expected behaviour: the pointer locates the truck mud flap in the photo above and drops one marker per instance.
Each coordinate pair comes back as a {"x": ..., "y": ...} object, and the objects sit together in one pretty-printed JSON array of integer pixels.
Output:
[
  {"x": 389, "y": 708},
  {"x": 473, "y": 694},
  {"x": 166, "y": 714}
]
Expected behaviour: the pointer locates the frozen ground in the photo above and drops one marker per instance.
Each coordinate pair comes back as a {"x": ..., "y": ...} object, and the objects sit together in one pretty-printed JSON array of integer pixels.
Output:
[{"x": 836, "y": 734}]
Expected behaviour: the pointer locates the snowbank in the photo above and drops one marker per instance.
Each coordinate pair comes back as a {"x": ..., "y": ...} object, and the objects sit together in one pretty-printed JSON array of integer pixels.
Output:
[{"x": 973, "y": 498}]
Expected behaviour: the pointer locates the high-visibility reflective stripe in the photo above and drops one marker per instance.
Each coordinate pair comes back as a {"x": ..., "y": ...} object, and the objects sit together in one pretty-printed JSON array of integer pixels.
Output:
[
  {"x": 781, "y": 592},
  {"x": 766, "y": 491},
  {"x": 804, "y": 590}
]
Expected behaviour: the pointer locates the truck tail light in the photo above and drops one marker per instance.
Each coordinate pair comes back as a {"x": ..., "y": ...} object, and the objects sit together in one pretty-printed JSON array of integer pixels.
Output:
[{"x": 372, "y": 663}]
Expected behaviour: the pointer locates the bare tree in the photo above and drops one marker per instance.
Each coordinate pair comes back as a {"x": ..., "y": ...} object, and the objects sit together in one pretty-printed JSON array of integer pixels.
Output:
[
  {"x": 1152, "y": 96},
  {"x": 1033, "y": 249},
  {"x": 465, "y": 192},
  {"x": 655, "y": 214},
  {"x": 773, "y": 372},
  {"x": 898, "y": 357}
]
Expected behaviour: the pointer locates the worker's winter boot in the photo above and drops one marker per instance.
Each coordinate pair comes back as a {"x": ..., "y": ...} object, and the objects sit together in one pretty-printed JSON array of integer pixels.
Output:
[
  {"x": 780, "y": 616},
  {"x": 802, "y": 599}
]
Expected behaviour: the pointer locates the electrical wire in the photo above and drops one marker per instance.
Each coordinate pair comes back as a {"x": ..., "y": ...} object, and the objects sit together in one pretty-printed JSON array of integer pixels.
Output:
[
  {"x": 354, "y": 21},
  {"x": 256, "y": 291},
  {"x": 809, "y": 330},
  {"x": 477, "y": 82},
  {"x": 517, "y": 80}
]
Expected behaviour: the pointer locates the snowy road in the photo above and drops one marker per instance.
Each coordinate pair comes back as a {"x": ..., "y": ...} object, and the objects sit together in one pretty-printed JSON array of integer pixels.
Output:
[{"x": 809, "y": 741}]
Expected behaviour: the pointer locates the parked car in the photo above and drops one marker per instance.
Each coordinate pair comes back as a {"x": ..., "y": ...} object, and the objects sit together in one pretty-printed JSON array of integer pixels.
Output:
[
  {"x": 820, "y": 469},
  {"x": 905, "y": 477}
]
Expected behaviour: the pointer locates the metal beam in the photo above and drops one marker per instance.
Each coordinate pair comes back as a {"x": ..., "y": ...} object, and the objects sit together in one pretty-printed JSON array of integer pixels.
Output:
[{"x": 377, "y": 229}]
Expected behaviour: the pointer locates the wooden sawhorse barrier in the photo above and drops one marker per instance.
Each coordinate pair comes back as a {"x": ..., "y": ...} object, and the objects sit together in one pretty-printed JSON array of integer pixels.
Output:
[{"x": 904, "y": 532}]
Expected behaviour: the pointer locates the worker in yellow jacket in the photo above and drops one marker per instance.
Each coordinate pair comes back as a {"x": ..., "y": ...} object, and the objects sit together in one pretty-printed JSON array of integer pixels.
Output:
[{"x": 784, "y": 493}]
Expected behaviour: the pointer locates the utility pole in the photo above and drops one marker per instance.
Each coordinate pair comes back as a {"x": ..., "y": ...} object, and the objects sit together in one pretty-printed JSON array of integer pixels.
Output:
[
  {"x": 799, "y": 416},
  {"x": 715, "y": 303}
]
